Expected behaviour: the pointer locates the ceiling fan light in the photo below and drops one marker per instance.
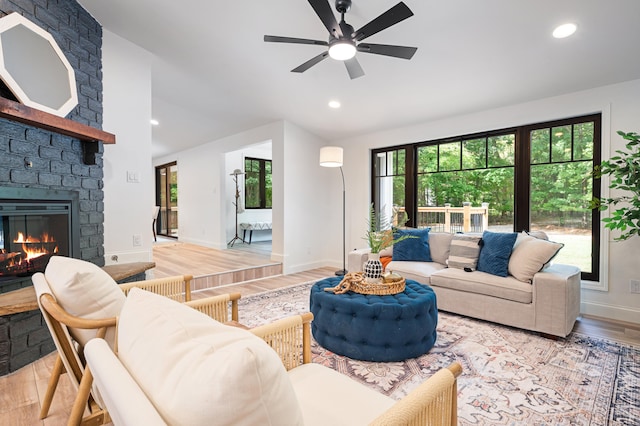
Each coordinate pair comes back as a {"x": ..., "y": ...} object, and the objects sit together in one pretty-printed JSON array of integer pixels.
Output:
[{"x": 342, "y": 50}]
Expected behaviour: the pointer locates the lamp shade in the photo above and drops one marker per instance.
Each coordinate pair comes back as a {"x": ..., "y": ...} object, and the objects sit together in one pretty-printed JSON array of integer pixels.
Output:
[{"x": 331, "y": 156}]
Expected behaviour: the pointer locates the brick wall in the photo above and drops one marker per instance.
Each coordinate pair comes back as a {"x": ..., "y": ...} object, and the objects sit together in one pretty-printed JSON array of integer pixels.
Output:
[{"x": 56, "y": 160}]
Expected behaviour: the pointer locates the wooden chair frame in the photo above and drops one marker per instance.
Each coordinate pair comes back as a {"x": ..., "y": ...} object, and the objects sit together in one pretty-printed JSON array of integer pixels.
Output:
[
  {"x": 434, "y": 402},
  {"x": 69, "y": 357}
]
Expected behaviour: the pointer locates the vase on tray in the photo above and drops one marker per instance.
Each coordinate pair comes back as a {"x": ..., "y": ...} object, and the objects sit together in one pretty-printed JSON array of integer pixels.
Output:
[{"x": 373, "y": 268}]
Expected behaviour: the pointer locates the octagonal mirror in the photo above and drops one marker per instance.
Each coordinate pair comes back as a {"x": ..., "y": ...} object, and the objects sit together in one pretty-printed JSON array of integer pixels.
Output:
[{"x": 34, "y": 68}]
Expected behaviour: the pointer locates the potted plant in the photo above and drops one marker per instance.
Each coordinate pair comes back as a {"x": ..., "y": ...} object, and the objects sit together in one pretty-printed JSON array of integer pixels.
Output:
[
  {"x": 380, "y": 235},
  {"x": 624, "y": 170}
]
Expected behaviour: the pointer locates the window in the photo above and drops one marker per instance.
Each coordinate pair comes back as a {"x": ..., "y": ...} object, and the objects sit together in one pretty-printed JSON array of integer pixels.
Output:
[
  {"x": 535, "y": 177},
  {"x": 257, "y": 183}
]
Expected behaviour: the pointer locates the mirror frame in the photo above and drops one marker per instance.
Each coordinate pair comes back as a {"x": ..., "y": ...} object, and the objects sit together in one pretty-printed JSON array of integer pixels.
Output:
[{"x": 7, "y": 23}]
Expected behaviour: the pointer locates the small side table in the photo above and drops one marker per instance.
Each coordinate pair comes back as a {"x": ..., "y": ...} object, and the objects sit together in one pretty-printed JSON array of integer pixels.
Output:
[{"x": 375, "y": 328}]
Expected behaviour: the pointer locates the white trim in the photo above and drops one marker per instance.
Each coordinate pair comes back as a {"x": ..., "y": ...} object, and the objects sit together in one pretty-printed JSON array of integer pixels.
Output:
[
  {"x": 605, "y": 234},
  {"x": 620, "y": 313},
  {"x": 13, "y": 20}
]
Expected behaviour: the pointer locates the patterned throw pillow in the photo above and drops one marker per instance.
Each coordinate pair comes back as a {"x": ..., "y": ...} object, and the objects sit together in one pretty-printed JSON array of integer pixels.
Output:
[
  {"x": 495, "y": 252},
  {"x": 464, "y": 252}
]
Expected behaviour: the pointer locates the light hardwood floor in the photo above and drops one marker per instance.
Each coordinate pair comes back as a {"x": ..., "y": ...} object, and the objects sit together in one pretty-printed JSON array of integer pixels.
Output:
[{"x": 21, "y": 392}]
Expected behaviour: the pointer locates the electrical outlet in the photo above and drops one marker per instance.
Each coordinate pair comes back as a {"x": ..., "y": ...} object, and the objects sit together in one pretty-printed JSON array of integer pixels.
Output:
[
  {"x": 634, "y": 286},
  {"x": 137, "y": 240}
]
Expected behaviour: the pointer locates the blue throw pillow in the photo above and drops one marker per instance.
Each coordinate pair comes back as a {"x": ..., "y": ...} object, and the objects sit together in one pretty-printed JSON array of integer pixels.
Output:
[
  {"x": 412, "y": 249},
  {"x": 495, "y": 252}
]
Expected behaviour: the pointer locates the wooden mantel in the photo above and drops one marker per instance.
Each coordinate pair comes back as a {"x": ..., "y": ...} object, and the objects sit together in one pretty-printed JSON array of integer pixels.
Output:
[{"x": 15, "y": 111}]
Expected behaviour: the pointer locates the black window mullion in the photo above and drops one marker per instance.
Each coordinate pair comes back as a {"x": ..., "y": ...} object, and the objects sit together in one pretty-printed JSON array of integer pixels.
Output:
[{"x": 410, "y": 184}]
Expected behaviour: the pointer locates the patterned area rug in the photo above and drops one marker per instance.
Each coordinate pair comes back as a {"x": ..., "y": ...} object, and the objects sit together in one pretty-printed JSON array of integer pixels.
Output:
[{"x": 510, "y": 376}]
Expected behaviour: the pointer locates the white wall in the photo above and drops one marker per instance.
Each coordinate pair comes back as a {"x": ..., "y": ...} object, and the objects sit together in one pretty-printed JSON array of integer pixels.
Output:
[
  {"x": 620, "y": 107},
  {"x": 127, "y": 111},
  {"x": 300, "y": 204}
]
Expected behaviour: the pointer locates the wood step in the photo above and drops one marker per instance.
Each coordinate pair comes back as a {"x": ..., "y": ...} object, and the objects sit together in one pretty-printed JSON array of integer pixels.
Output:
[{"x": 219, "y": 279}]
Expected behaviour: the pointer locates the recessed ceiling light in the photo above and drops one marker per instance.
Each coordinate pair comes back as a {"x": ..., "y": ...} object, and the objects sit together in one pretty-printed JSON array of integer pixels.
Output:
[
  {"x": 334, "y": 104},
  {"x": 154, "y": 122},
  {"x": 564, "y": 30}
]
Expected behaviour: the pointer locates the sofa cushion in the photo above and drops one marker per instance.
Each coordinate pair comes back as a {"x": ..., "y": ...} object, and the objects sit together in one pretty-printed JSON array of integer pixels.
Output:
[
  {"x": 197, "y": 371},
  {"x": 495, "y": 251},
  {"x": 440, "y": 246},
  {"x": 417, "y": 271},
  {"x": 86, "y": 291},
  {"x": 482, "y": 283},
  {"x": 412, "y": 249},
  {"x": 464, "y": 251},
  {"x": 530, "y": 255},
  {"x": 331, "y": 398}
]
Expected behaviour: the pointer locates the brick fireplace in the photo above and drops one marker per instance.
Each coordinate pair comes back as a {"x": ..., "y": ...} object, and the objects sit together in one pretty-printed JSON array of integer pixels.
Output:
[{"x": 52, "y": 163}]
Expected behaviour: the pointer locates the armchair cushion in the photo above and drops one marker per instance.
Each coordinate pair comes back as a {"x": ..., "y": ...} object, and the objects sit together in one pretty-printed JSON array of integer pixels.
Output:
[
  {"x": 195, "y": 369},
  {"x": 69, "y": 280}
]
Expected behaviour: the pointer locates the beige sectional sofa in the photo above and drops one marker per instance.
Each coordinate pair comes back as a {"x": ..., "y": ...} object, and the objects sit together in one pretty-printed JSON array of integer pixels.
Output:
[{"x": 548, "y": 303}]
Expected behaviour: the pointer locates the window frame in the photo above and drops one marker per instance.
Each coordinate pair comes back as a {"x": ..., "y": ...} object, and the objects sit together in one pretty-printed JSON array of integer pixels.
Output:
[
  {"x": 262, "y": 182},
  {"x": 522, "y": 174}
]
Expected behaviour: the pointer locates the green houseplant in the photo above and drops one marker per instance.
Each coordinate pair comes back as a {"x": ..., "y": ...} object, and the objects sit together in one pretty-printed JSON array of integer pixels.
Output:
[
  {"x": 380, "y": 233},
  {"x": 624, "y": 170}
]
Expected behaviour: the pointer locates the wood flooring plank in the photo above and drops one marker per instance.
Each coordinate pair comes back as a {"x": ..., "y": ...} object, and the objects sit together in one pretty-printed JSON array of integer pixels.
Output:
[{"x": 11, "y": 396}]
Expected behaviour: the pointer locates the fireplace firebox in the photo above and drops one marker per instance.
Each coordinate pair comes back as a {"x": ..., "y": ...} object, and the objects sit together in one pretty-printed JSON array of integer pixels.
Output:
[{"x": 35, "y": 224}]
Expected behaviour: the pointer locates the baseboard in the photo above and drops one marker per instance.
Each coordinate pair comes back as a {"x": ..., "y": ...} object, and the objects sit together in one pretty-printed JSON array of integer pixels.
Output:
[
  {"x": 293, "y": 269},
  {"x": 620, "y": 313},
  {"x": 203, "y": 243}
]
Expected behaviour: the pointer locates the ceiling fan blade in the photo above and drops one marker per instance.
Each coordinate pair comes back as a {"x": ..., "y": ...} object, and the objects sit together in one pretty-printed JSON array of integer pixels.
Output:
[
  {"x": 311, "y": 62},
  {"x": 403, "y": 52},
  {"x": 278, "y": 39},
  {"x": 396, "y": 14},
  {"x": 325, "y": 13},
  {"x": 353, "y": 68}
]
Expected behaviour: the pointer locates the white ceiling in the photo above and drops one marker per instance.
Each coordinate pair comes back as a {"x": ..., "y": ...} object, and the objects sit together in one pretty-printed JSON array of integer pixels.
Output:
[{"x": 213, "y": 75}]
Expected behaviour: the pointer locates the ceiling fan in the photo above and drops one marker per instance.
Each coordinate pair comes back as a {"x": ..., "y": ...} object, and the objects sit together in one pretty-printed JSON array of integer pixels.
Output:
[{"x": 344, "y": 41}]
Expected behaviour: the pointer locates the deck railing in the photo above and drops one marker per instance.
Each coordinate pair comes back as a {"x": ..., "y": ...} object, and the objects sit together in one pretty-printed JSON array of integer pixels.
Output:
[{"x": 454, "y": 219}]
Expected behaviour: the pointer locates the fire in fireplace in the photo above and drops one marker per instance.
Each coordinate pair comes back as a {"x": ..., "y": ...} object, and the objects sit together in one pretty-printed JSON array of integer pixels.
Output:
[{"x": 33, "y": 229}]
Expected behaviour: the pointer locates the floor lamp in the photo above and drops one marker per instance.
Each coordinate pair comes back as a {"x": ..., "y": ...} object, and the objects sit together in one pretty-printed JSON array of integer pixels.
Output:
[
  {"x": 331, "y": 156},
  {"x": 235, "y": 174}
]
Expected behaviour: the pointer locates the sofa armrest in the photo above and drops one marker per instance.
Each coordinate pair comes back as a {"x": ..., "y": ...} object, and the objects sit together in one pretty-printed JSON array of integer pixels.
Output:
[
  {"x": 217, "y": 307},
  {"x": 290, "y": 337},
  {"x": 434, "y": 402},
  {"x": 126, "y": 402},
  {"x": 556, "y": 295},
  {"x": 357, "y": 258}
]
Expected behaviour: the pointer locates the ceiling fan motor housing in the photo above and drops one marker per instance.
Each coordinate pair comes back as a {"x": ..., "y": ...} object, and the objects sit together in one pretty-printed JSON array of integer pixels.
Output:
[{"x": 343, "y": 6}]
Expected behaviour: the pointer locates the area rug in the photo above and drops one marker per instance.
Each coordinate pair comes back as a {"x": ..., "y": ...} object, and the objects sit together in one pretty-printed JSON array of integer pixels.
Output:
[{"x": 510, "y": 376}]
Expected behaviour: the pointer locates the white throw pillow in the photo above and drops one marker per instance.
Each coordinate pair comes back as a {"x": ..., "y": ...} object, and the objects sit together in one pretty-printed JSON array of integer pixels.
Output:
[
  {"x": 197, "y": 371},
  {"x": 86, "y": 291},
  {"x": 530, "y": 255}
]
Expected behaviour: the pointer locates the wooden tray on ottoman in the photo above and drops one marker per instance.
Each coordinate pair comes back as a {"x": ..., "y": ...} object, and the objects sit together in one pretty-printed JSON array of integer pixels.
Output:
[{"x": 356, "y": 282}]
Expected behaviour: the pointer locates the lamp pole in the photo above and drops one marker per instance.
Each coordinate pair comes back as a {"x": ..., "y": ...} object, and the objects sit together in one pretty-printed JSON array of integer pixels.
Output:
[
  {"x": 331, "y": 156},
  {"x": 344, "y": 232}
]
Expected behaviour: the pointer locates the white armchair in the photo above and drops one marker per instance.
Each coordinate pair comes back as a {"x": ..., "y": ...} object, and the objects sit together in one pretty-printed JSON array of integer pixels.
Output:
[{"x": 162, "y": 375}]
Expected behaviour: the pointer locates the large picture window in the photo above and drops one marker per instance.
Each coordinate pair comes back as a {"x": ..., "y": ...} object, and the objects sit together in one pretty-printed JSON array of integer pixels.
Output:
[
  {"x": 257, "y": 183},
  {"x": 534, "y": 177}
]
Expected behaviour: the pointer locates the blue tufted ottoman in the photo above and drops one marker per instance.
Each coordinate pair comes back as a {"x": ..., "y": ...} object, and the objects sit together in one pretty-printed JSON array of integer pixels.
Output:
[{"x": 374, "y": 328}]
